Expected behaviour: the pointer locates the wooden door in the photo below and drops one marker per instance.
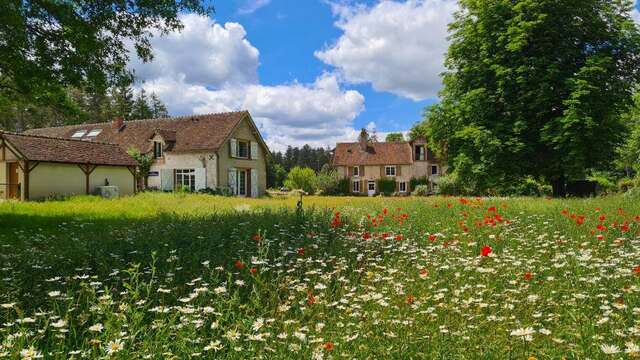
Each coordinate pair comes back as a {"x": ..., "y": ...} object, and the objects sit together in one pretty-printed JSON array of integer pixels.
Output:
[{"x": 13, "y": 178}]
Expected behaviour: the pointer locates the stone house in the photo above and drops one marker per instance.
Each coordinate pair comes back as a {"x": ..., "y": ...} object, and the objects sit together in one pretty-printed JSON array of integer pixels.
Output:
[
  {"x": 216, "y": 151},
  {"x": 366, "y": 162}
]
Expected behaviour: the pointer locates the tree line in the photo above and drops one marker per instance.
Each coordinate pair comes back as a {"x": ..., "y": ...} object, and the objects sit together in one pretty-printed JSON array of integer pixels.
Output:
[{"x": 281, "y": 163}]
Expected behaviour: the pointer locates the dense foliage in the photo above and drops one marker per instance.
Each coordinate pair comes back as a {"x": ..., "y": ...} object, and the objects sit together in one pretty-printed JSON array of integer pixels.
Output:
[
  {"x": 534, "y": 88},
  {"x": 302, "y": 179},
  {"x": 394, "y": 137}
]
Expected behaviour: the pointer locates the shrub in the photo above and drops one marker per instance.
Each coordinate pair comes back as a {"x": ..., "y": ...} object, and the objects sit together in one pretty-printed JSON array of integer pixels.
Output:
[
  {"x": 449, "y": 185},
  {"x": 626, "y": 184},
  {"x": 386, "y": 186},
  {"x": 421, "y": 190},
  {"x": 302, "y": 178},
  {"x": 604, "y": 185},
  {"x": 216, "y": 191},
  {"x": 331, "y": 183},
  {"x": 529, "y": 186},
  {"x": 417, "y": 181}
]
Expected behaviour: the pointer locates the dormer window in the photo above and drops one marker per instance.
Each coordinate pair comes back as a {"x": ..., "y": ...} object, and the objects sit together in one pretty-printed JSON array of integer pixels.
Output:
[
  {"x": 78, "y": 134},
  {"x": 157, "y": 149}
]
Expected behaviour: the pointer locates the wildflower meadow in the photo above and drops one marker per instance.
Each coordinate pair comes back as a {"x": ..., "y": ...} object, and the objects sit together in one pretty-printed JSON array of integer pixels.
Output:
[{"x": 196, "y": 276}]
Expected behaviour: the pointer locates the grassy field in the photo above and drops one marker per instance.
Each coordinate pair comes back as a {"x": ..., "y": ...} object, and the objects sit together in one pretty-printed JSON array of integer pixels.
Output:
[{"x": 181, "y": 276}]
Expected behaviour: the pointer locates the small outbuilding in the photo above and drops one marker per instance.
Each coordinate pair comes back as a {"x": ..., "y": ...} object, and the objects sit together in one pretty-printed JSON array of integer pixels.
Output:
[{"x": 40, "y": 167}]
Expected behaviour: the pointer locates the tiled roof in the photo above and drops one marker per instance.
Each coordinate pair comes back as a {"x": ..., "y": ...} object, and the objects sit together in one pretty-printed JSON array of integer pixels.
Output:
[
  {"x": 378, "y": 153},
  {"x": 49, "y": 149},
  {"x": 190, "y": 133}
]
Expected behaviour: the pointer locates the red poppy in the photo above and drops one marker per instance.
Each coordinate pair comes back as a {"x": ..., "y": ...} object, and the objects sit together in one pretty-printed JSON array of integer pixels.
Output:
[
  {"x": 601, "y": 227},
  {"x": 636, "y": 269},
  {"x": 580, "y": 220},
  {"x": 410, "y": 299},
  {"x": 398, "y": 237},
  {"x": 486, "y": 250},
  {"x": 254, "y": 270},
  {"x": 601, "y": 217},
  {"x": 310, "y": 298},
  {"x": 366, "y": 235},
  {"x": 600, "y": 236},
  {"x": 300, "y": 251},
  {"x": 256, "y": 238},
  {"x": 624, "y": 227},
  {"x": 424, "y": 272},
  {"x": 328, "y": 346},
  {"x": 528, "y": 276},
  {"x": 385, "y": 211},
  {"x": 432, "y": 237},
  {"x": 239, "y": 265},
  {"x": 492, "y": 209}
]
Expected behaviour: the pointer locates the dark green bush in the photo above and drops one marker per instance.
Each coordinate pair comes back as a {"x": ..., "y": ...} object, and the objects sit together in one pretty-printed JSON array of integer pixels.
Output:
[
  {"x": 386, "y": 186},
  {"x": 529, "y": 186},
  {"x": 449, "y": 185}
]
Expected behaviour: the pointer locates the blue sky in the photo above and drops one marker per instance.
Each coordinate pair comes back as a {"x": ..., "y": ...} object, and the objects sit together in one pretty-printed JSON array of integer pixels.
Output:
[{"x": 311, "y": 71}]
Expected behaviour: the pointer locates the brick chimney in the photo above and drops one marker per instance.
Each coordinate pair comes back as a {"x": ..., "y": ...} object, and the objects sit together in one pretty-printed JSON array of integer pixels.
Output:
[
  {"x": 363, "y": 139},
  {"x": 117, "y": 123}
]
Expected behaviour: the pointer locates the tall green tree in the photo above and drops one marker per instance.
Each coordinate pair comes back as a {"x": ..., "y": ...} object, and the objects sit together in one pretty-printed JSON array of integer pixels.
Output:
[
  {"x": 141, "y": 107},
  {"x": 50, "y": 46},
  {"x": 535, "y": 87},
  {"x": 158, "y": 108},
  {"x": 394, "y": 137},
  {"x": 628, "y": 159}
]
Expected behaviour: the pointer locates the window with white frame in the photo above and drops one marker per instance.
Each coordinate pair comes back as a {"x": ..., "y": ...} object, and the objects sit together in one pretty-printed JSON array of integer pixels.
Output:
[
  {"x": 371, "y": 185},
  {"x": 186, "y": 178},
  {"x": 356, "y": 171},
  {"x": 356, "y": 186},
  {"x": 157, "y": 149},
  {"x": 402, "y": 187},
  {"x": 434, "y": 169},
  {"x": 390, "y": 171}
]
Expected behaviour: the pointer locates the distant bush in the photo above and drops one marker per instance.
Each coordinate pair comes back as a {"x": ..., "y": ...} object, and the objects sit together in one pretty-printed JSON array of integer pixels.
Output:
[
  {"x": 417, "y": 181},
  {"x": 329, "y": 182},
  {"x": 302, "y": 178},
  {"x": 604, "y": 184},
  {"x": 386, "y": 186},
  {"x": 449, "y": 185},
  {"x": 626, "y": 184},
  {"x": 421, "y": 190},
  {"x": 529, "y": 186}
]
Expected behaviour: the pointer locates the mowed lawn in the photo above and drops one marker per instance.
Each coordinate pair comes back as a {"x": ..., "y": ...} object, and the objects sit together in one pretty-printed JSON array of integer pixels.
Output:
[{"x": 180, "y": 276}]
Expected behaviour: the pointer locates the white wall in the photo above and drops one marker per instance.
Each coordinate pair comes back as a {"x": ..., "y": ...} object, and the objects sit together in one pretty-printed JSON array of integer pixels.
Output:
[{"x": 170, "y": 160}]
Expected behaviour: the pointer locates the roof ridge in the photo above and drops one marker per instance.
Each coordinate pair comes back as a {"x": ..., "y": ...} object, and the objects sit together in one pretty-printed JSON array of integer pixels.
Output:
[
  {"x": 56, "y": 138},
  {"x": 147, "y": 119}
]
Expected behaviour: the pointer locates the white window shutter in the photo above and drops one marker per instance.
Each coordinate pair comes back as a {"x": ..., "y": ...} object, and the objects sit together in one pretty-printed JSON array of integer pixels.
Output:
[
  {"x": 166, "y": 179},
  {"x": 201, "y": 180},
  {"x": 254, "y": 150},
  {"x": 254, "y": 183},
  {"x": 232, "y": 181},
  {"x": 233, "y": 145}
]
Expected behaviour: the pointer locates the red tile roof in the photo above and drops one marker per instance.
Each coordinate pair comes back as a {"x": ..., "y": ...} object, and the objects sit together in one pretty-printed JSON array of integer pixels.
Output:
[
  {"x": 49, "y": 149},
  {"x": 190, "y": 133},
  {"x": 378, "y": 153}
]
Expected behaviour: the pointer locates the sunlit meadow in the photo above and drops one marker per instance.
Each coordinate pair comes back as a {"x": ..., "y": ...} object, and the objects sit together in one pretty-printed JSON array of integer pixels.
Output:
[{"x": 188, "y": 276}]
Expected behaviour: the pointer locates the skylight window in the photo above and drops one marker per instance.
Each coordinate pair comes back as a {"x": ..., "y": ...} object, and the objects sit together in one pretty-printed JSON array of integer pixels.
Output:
[
  {"x": 94, "y": 132},
  {"x": 79, "y": 134}
]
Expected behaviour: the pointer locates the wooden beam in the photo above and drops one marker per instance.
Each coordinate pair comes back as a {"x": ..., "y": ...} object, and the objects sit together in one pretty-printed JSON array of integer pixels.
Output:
[
  {"x": 132, "y": 170},
  {"x": 26, "y": 178},
  {"x": 4, "y": 152},
  {"x": 87, "y": 169}
]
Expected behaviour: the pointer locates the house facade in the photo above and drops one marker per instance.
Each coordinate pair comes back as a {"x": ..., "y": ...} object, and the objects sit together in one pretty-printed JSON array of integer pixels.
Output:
[
  {"x": 215, "y": 151},
  {"x": 366, "y": 163},
  {"x": 37, "y": 167}
]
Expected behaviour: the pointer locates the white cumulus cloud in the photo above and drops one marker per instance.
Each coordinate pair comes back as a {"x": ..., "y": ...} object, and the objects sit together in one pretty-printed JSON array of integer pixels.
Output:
[
  {"x": 398, "y": 47},
  {"x": 213, "y": 68},
  {"x": 204, "y": 53}
]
